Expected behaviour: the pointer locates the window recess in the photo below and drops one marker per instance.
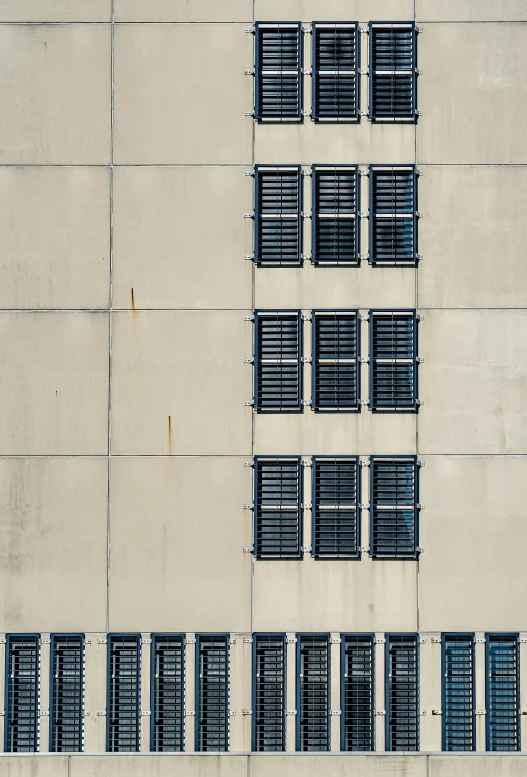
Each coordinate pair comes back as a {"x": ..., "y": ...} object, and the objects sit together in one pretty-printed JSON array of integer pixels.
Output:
[
  {"x": 279, "y": 87},
  {"x": 393, "y": 360},
  {"x": 357, "y": 693},
  {"x": 123, "y": 713},
  {"x": 212, "y": 693},
  {"x": 335, "y": 217},
  {"x": 278, "y": 216},
  {"x": 269, "y": 693},
  {"x": 167, "y": 693},
  {"x": 336, "y": 510},
  {"x": 459, "y": 722},
  {"x": 313, "y": 693},
  {"x": 335, "y": 361},
  {"x": 67, "y": 693},
  {"x": 278, "y": 361},
  {"x": 502, "y": 692},
  {"x": 394, "y": 216},
  {"x": 22, "y": 693},
  {"x": 335, "y": 71},
  {"x": 394, "y": 508},
  {"x": 402, "y": 693},
  {"x": 393, "y": 72},
  {"x": 277, "y": 508}
]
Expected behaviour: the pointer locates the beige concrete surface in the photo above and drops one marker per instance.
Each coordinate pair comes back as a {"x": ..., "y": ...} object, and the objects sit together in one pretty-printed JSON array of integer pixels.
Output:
[
  {"x": 470, "y": 11},
  {"x": 33, "y": 766},
  {"x": 55, "y": 10},
  {"x": 467, "y": 765},
  {"x": 53, "y": 78},
  {"x": 180, "y": 237},
  {"x": 334, "y": 10},
  {"x": 338, "y": 765},
  {"x": 429, "y": 692},
  {"x": 161, "y": 118},
  {"x": 158, "y": 766},
  {"x": 95, "y": 667},
  {"x": 54, "y": 383},
  {"x": 55, "y": 248},
  {"x": 184, "y": 11}
]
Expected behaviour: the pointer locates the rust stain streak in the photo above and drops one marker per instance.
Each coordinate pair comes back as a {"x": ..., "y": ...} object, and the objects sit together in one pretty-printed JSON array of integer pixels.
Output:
[{"x": 170, "y": 435}]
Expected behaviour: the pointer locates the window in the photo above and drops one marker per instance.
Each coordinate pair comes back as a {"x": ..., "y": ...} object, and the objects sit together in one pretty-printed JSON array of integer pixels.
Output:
[
  {"x": 212, "y": 693},
  {"x": 393, "y": 360},
  {"x": 167, "y": 693},
  {"x": 277, "y": 508},
  {"x": 394, "y": 512},
  {"x": 335, "y": 81},
  {"x": 503, "y": 692},
  {"x": 278, "y": 216},
  {"x": 269, "y": 693},
  {"x": 336, "y": 495},
  {"x": 393, "y": 210},
  {"x": 402, "y": 693},
  {"x": 393, "y": 74},
  {"x": 335, "y": 359},
  {"x": 279, "y": 93},
  {"x": 458, "y": 692},
  {"x": 313, "y": 697},
  {"x": 67, "y": 693},
  {"x": 357, "y": 693},
  {"x": 22, "y": 693},
  {"x": 335, "y": 217},
  {"x": 123, "y": 705},
  {"x": 277, "y": 363}
]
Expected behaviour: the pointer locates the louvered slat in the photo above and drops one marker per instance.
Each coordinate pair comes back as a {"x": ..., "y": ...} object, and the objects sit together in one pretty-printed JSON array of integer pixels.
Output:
[
  {"x": 393, "y": 236},
  {"x": 167, "y": 693},
  {"x": 67, "y": 693},
  {"x": 277, "y": 363},
  {"x": 393, "y": 361},
  {"x": 503, "y": 683},
  {"x": 22, "y": 693},
  {"x": 278, "y": 223},
  {"x": 212, "y": 734},
  {"x": 269, "y": 693},
  {"x": 313, "y": 705},
  {"x": 278, "y": 72},
  {"x": 393, "y": 86},
  {"x": 335, "y": 508},
  {"x": 335, "y": 361},
  {"x": 335, "y": 216},
  {"x": 394, "y": 512},
  {"x": 277, "y": 532},
  {"x": 357, "y": 693},
  {"x": 335, "y": 82},
  {"x": 458, "y": 692},
  {"x": 124, "y": 712},
  {"x": 402, "y": 693}
]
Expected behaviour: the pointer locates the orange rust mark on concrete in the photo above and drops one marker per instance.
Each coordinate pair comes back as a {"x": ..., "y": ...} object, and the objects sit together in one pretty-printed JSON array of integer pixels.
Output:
[
  {"x": 170, "y": 435},
  {"x": 133, "y": 300}
]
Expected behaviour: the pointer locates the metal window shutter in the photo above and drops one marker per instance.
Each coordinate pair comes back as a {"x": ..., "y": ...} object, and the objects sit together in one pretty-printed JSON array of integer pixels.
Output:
[
  {"x": 393, "y": 86},
  {"x": 67, "y": 693},
  {"x": 402, "y": 708},
  {"x": 313, "y": 708},
  {"x": 393, "y": 510},
  {"x": 278, "y": 378},
  {"x": 335, "y": 216},
  {"x": 278, "y": 222},
  {"x": 22, "y": 694},
  {"x": 503, "y": 731},
  {"x": 278, "y": 72},
  {"x": 277, "y": 508},
  {"x": 357, "y": 721},
  {"x": 335, "y": 82},
  {"x": 335, "y": 508},
  {"x": 124, "y": 711},
  {"x": 458, "y": 693},
  {"x": 269, "y": 693},
  {"x": 336, "y": 378},
  {"x": 213, "y": 694},
  {"x": 393, "y": 361},
  {"x": 167, "y": 693},
  {"x": 393, "y": 236}
]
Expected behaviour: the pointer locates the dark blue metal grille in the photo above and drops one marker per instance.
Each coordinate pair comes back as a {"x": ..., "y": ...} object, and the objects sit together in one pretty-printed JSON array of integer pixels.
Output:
[
  {"x": 212, "y": 730},
  {"x": 402, "y": 693},
  {"x": 336, "y": 378},
  {"x": 393, "y": 236},
  {"x": 22, "y": 694},
  {"x": 167, "y": 693},
  {"x": 335, "y": 82},
  {"x": 393, "y": 510},
  {"x": 67, "y": 693},
  {"x": 277, "y": 364},
  {"x": 278, "y": 72},
  {"x": 313, "y": 699},
  {"x": 124, "y": 707},
  {"x": 335, "y": 508},
  {"x": 393, "y": 85},
  {"x": 335, "y": 216},
  {"x": 393, "y": 361},
  {"x": 269, "y": 693},
  {"x": 357, "y": 694},
  {"x": 278, "y": 222},
  {"x": 503, "y": 688},
  {"x": 458, "y": 692},
  {"x": 277, "y": 532}
]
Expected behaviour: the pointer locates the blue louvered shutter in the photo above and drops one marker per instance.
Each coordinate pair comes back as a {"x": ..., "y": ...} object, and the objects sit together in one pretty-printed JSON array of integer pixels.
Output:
[
  {"x": 124, "y": 706},
  {"x": 357, "y": 690},
  {"x": 336, "y": 366},
  {"x": 278, "y": 216},
  {"x": 269, "y": 693},
  {"x": 503, "y": 692},
  {"x": 393, "y": 360},
  {"x": 67, "y": 693},
  {"x": 313, "y": 693},
  {"x": 278, "y": 72},
  {"x": 212, "y": 729},
  {"x": 394, "y": 509},
  {"x": 277, "y": 508},
  {"x": 458, "y": 693},
  {"x": 393, "y": 204},
  {"x": 168, "y": 693},
  {"x": 335, "y": 77},
  {"x": 336, "y": 491},
  {"x": 22, "y": 693},
  {"x": 402, "y": 693},
  {"x": 335, "y": 216},
  {"x": 278, "y": 361},
  {"x": 393, "y": 76}
]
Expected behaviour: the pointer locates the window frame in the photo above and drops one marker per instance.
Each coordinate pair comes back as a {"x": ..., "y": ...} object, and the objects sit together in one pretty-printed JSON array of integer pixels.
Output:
[
  {"x": 414, "y": 218},
  {"x": 277, "y": 635},
  {"x": 316, "y": 217},
  {"x": 155, "y": 636},
  {"x": 314, "y": 509},
  {"x": 317, "y": 25},
  {"x": 53, "y": 639},
  {"x": 444, "y": 637},
  {"x": 344, "y": 637},
  {"x": 298, "y": 690},
  {"x": 10, "y": 638},
  {"x": 513, "y": 636},
  {"x": 315, "y": 362},
  {"x": 413, "y": 72},
  {"x": 299, "y": 507},
  {"x": 259, "y": 217},
  {"x": 197, "y": 681},
  {"x": 388, "y": 694},
  {"x": 109, "y": 638},
  {"x": 260, "y": 117},
  {"x": 298, "y": 408},
  {"x": 416, "y": 509},
  {"x": 414, "y": 408}
]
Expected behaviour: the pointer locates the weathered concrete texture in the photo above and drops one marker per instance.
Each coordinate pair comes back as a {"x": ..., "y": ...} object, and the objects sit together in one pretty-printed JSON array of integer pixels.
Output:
[
  {"x": 184, "y": 11},
  {"x": 55, "y": 10},
  {"x": 334, "y": 10},
  {"x": 470, "y": 11}
]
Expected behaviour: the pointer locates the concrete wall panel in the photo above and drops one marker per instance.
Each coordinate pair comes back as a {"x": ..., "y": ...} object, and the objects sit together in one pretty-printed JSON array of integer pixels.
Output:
[
  {"x": 334, "y": 10},
  {"x": 354, "y": 764},
  {"x": 470, "y": 11},
  {"x": 466, "y": 765},
  {"x": 34, "y": 766},
  {"x": 158, "y": 766},
  {"x": 55, "y": 10},
  {"x": 184, "y": 11}
]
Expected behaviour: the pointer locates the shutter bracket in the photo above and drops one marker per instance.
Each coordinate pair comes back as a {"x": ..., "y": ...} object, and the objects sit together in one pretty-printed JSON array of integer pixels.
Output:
[{"x": 249, "y": 72}]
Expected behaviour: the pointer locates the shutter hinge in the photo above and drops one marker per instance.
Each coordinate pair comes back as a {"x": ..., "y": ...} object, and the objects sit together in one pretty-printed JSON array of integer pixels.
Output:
[
  {"x": 307, "y": 463},
  {"x": 436, "y": 640},
  {"x": 364, "y": 172},
  {"x": 146, "y": 713},
  {"x": 307, "y": 30},
  {"x": 2, "y": 641},
  {"x": 307, "y": 506},
  {"x": 419, "y": 550},
  {"x": 362, "y": 317},
  {"x": 291, "y": 712},
  {"x": 523, "y": 639},
  {"x": 306, "y": 215},
  {"x": 102, "y": 641},
  {"x": 306, "y": 359},
  {"x": 364, "y": 506},
  {"x": 420, "y": 506},
  {"x": 291, "y": 640},
  {"x": 307, "y": 257},
  {"x": 380, "y": 641},
  {"x": 307, "y": 71},
  {"x": 418, "y": 214},
  {"x": 419, "y": 172},
  {"x": 190, "y": 713},
  {"x": 248, "y": 215},
  {"x": 418, "y": 113},
  {"x": 336, "y": 712},
  {"x": 364, "y": 463},
  {"x": 190, "y": 642},
  {"x": 248, "y": 463},
  {"x": 420, "y": 463},
  {"x": 422, "y": 712},
  {"x": 249, "y": 72},
  {"x": 363, "y": 113},
  {"x": 364, "y": 215},
  {"x": 419, "y": 30},
  {"x": 101, "y": 713},
  {"x": 364, "y": 402},
  {"x": 248, "y": 318},
  {"x": 306, "y": 113},
  {"x": 422, "y": 640},
  {"x": 247, "y": 712},
  {"x": 306, "y": 550},
  {"x": 364, "y": 360},
  {"x": 479, "y": 639},
  {"x": 249, "y": 361},
  {"x": 306, "y": 403},
  {"x": 420, "y": 317},
  {"x": 249, "y": 402},
  {"x": 248, "y": 550},
  {"x": 336, "y": 641},
  {"x": 364, "y": 72},
  {"x": 249, "y": 257},
  {"x": 232, "y": 713},
  {"x": 419, "y": 359},
  {"x": 250, "y": 29},
  {"x": 146, "y": 642},
  {"x": 248, "y": 507},
  {"x": 248, "y": 640},
  {"x": 87, "y": 641},
  {"x": 249, "y": 173},
  {"x": 45, "y": 642},
  {"x": 418, "y": 71},
  {"x": 364, "y": 30},
  {"x": 44, "y": 713},
  {"x": 2, "y": 713},
  {"x": 380, "y": 712},
  {"x": 306, "y": 317},
  {"x": 308, "y": 173},
  {"x": 364, "y": 550},
  {"x": 437, "y": 712},
  {"x": 481, "y": 712},
  {"x": 366, "y": 257},
  {"x": 419, "y": 402},
  {"x": 249, "y": 113},
  {"x": 232, "y": 641}
]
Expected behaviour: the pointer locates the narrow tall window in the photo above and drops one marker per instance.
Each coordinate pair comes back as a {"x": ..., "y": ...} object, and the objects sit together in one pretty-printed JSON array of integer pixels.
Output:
[
  {"x": 278, "y": 216},
  {"x": 394, "y": 217},
  {"x": 393, "y": 360},
  {"x": 336, "y": 366},
  {"x": 277, "y": 508},
  {"x": 167, "y": 693},
  {"x": 279, "y": 93},
  {"x": 402, "y": 693},
  {"x": 269, "y": 693},
  {"x": 393, "y": 74},
  {"x": 458, "y": 693},
  {"x": 503, "y": 692},
  {"x": 335, "y": 217},
  {"x": 394, "y": 508},
  {"x": 67, "y": 693},
  {"x": 335, "y": 63},
  {"x": 22, "y": 693},
  {"x": 212, "y": 693},
  {"x": 313, "y": 693},
  {"x": 123, "y": 705},
  {"x": 335, "y": 509},
  {"x": 278, "y": 361},
  {"x": 357, "y": 692}
]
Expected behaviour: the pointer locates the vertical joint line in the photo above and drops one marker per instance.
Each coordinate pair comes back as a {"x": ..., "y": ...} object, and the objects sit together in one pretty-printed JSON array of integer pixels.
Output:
[{"x": 110, "y": 321}]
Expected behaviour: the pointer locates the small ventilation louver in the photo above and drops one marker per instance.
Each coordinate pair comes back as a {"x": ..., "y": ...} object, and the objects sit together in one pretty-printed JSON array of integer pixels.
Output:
[
  {"x": 402, "y": 693},
  {"x": 269, "y": 693},
  {"x": 336, "y": 493},
  {"x": 277, "y": 508},
  {"x": 278, "y": 72},
  {"x": 393, "y": 76},
  {"x": 277, "y": 363},
  {"x": 335, "y": 82},
  {"x": 393, "y": 361},
  {"x": 212, "y": 729},
  {"x": 393, "y": 206},
  {"x": 167, "y": 721},
  {"x": 67, "y": 693},
  {"x": 357, "y": 693},
  {"x": 336, "y": 366},
  {"x": 313, "y": 697},
  {"x": 22, "y": 693},
  {"x": 503, "y": 689},
  {"x": 335, "y": 216},
  {"x": 123, "y": 708},
  {"x": 394, "y": 508},
  {"x": 458, "y": 693},
  {"x": 278, "y": 216}
]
